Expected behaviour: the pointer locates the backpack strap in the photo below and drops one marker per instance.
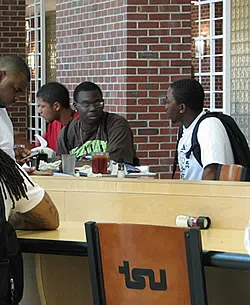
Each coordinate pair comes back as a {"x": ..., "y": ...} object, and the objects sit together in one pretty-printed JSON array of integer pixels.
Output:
[
  {"x": 180, "y": 131},
  {"x": 195, "y": 146}
]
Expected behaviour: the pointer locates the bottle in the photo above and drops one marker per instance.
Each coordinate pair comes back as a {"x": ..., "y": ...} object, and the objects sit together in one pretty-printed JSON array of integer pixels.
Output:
[
  {"x": 121, "y": 170},
  {"x": 202, "y": 222}
]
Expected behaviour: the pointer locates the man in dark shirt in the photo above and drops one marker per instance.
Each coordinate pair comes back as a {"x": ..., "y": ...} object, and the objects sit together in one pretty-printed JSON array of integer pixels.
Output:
[{"x": 96, "y": 130}]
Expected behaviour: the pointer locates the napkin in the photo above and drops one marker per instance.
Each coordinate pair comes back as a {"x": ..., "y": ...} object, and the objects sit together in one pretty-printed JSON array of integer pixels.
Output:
[
  {"x": 42, "y": 148},
  {"x": 53, "y": 166},
  {"x": 42, "y": 141}
]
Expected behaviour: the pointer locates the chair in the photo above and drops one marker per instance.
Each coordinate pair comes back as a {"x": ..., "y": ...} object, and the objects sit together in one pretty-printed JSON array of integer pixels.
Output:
[
  {"x": 133, "y": 264},
  {"x": 231, "y": 172}
]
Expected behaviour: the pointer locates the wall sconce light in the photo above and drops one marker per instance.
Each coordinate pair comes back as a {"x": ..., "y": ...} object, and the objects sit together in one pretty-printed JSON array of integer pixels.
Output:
[
  {"x": 199, "y": 47},
  {"x": 31, "y": 61}
]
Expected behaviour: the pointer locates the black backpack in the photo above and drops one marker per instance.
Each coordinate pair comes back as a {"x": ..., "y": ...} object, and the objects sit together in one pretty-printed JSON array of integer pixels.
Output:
[
  {"x": 237, "y": 139},
  {"x": 11, "y": 262}
]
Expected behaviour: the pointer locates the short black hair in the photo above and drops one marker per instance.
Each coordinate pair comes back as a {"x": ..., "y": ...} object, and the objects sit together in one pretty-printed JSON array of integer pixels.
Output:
[
  {"x": 54, "y": 92},
  {"x": 15, "y": 64},
  {"x": 86, "y": 86},
  {"x": 189, "y": 92}
]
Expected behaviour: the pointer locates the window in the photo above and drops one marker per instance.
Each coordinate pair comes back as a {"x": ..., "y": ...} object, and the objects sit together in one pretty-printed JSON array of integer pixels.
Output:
[
  {"x": 35, "y": 51},
  {"x": 211, "y": 51}
]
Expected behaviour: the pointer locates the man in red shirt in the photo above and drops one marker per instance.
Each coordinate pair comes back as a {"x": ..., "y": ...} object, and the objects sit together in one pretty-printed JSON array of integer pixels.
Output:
[{"x": 54, "y": 107}]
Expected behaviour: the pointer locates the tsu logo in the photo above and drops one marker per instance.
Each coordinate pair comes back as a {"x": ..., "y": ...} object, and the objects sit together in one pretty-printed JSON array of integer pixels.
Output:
[{"x": 139, "y": 275}]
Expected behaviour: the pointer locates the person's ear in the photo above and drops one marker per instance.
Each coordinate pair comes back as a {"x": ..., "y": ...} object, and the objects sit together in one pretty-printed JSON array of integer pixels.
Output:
[
  {"x": 182, "y": 108},
  {"x": 75, "y": 106},
  {"x": 56, "y": 106},
  {"x": 2, "y": 75}
]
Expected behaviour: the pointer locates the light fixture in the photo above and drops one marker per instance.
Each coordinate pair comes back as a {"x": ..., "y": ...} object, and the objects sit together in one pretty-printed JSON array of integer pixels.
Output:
[{"x": 199, "y": 47}]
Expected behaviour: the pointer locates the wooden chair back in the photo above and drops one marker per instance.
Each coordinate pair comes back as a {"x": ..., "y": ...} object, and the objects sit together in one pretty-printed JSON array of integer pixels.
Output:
[
  {"x": 231, "y": 172},
  {"x": 145, "y": 264}
]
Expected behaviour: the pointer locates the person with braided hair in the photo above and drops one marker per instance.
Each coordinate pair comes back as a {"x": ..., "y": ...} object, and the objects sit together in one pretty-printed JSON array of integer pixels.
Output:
[
  {"x": 23, "y": 205},
  {"x": 27, "y": 205}
]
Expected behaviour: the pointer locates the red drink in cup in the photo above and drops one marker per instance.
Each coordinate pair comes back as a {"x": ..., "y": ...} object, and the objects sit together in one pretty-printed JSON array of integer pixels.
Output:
[{"x": 100, "y": 163}]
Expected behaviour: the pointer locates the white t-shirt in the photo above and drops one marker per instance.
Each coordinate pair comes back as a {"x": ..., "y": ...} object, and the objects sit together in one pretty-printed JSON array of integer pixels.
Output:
[
  {"x": 35, "y": 194},
  {"x": 6, "y": 133},
  {"x": 214, "y": 143}
]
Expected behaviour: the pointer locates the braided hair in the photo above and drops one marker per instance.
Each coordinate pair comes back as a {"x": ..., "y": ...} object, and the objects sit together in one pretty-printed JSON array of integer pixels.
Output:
[{"x": 12, "y": 179}]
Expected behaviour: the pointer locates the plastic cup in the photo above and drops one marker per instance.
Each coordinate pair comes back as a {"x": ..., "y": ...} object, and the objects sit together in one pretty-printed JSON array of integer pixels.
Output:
[
  {"x": 68, "y": 164},
  {"x": 100, "y": 163}
]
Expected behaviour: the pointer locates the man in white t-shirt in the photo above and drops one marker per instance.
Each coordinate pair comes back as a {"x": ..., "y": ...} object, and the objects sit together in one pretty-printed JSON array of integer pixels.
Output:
[
  {"x": 32, "y": 208},
  {"x": 14, "y": 77},
  {"x": 185, "y": 102}
]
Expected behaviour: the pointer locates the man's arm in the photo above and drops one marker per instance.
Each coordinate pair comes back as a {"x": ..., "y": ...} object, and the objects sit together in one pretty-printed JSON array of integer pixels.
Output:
[
  {"x": 210, "y": 172},
  {"x": 120, "y": 141},
  {"x": 44, "y": 216}
]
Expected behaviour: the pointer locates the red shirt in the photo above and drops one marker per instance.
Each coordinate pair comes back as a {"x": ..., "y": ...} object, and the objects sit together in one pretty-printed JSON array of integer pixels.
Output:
[{"x": 53, "y": 130}]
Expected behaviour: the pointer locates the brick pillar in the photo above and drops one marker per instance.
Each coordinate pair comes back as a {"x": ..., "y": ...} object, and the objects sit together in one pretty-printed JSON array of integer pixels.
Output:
[
  {"x": 133, "y": 50},
  {"x": 159, "y": 52},
  {"x": 12, "y": 41}
]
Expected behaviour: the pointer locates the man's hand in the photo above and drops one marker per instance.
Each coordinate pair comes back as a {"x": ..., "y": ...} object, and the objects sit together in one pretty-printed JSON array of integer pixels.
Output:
[
  {"x": 20, "y": 153},
  {"x": 30, "y": 170}
]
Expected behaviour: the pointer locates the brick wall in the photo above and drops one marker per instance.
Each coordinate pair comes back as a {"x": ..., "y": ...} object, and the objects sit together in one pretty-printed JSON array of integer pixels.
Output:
[
  {"x": 12, "y": 41},
  {"x": 91, "y": 45},
  {"x": 133, "y": 49}
]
